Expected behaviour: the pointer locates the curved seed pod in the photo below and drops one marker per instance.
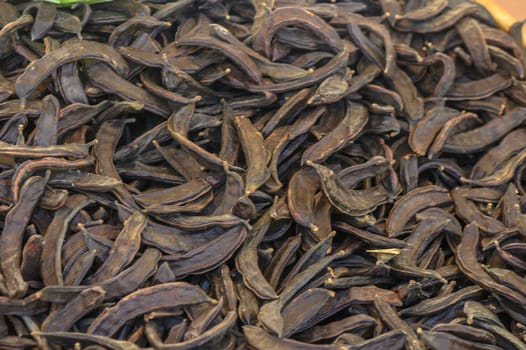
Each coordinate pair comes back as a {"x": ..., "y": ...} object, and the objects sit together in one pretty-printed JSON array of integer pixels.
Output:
[
  {"x": 270, "y": 313},
  {"x": 507, "y": 62},
  {"x": 70, "y": 85},
  {"x": 448, "y": 74},
  {"x": 331, "y": 330},
  {"x": 106, "y": 79},
  {"x": 10, "y": 28},
  {"x": 404, "y": 86},
  {"x": 425, "y": 232},
  {"x": 350, "y": 202},
  {"x": 234, "y": 191},
  {"x": 478, "y": 89},
  {"x": 439, "y": 340},
  {"x": 347, "y": 130},
  {"x": 288, "y": 110},
  {"x": 413, "y": 202},
  {"x": 134, "y": 276},
  {"x": 69, "y": 150},
  {"x": 335, "y": 64},
  {"x": 30, "y": 305},
  {"x": 443, "y": 21},
  {"x": 502, "y": 175},
  {"x": 62, "y": 320},
  {"x": 210, "y": 255},
  {"x": 170, "y": 9},
  {"x": 31, "y": 254},
  {"x": 30, "y": 166},
  {"x": 83, "y": 181},
  {"x": 51, "y": 262},
  {"x": 374, "y": 240},
  {"x": 152, "y": 85},
  {"x": 143, "y": 301},
  {"x": 248, "y": 304},
  {"x": 75, "y": 273},
  {"x": 46, "y": 130},
  {"x": 330, "y": 90},
  {"x": 301, "y": 308},
  {"x": 276, "y": 71},
  {"x": 256, "y": 155},
  {"x": 392, "y": 320},
  {"x": 275, "y": 144},
  {"x": 240, "y": 58},
  {"x": 72, "y": 338},
  {"x": 474, "y": 40},
  {"x": 383, "y": 95},
  {"x": 180, "y": 194},
  {"x": 470, "y": 213},
  {"x": 277, "y": 264},
  {"x": 431, "y": 9},
  {"x": 506, "y": 277},
  {"x": 214, "y": 333},
  {"x": 76, "y": 114},
  {"x": 465, "y": 332},
  {"x": 124, "y": 248},
  {"x": 68, "y": 23},
  {"x": 108, "y": 136},
  {"x": 433, "y": 305},
  {"x": 123, "y": 32},
  {"x": 247, "y": 260},
  {"x": 353, "y": 175},
  {"x": 201, "y": 222},
  {"x": 178, "y": 127},
  {"x": 449, "y": 128},
  {"x": 476, "y": 139},
  {"x": 302, "y": 188},
  {"x": 365, "y": 76},
  {"x": 11, "y": 239},
  {"x": 470, "y": 267},
  {"x": 314, "y": 254},
  {"x": 258, "y": 339},
  {"x": 229, "y": 151},
  {"x": 287, "y": 16},
  {"x": 38, "y": 70},
  {"x": 44, "y": 19}
]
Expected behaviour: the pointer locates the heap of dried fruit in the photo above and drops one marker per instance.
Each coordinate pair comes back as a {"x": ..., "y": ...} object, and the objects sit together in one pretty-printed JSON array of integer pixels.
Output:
[{"x": 278, "y": 174}]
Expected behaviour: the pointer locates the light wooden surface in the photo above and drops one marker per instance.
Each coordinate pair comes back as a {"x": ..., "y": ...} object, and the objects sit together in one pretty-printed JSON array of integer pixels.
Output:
[
  {"x": 515, "y": 7},
  {"x": 507, "y": 12}
]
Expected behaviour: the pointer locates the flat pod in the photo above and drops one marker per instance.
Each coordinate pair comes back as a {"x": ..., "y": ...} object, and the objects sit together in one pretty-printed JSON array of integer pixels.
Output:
[
  {"x": 209, "y": 255},
  {"x": 11, "y": 239},
  {"x": 476, "y": 139},
  {"x": 256, "y": 155},
  {"x": 258, "y": 339},
  {"x": 143, "y": 301},
  {"x": 349, "y": 201},
  {"x": 302, "y": 188},
  {"x": 44, "y": 19},
  {"x": 238, "y": 57},
  {"x": 109, "y": 81},
  {"x": 346, "y": 131},
  {"x": 123, "y": 250},
  {"x": 38, "y": 70},
  {"x": 247, "y": 260},
  {"x": 443, "y": 21},
  {"x": 72, "y": 338},
  {"x": 412, "y": 202},
  {"x": 286, "y": 16},
  {"x": 438, "y": 340}
]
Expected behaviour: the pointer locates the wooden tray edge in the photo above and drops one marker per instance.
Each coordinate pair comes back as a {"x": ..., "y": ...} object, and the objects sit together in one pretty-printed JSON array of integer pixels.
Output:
[{"x": 503, "y": 18}]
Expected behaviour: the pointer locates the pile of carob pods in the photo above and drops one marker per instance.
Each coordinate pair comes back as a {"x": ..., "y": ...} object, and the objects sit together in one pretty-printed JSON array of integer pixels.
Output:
[{"x": 261, "y": 174}]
